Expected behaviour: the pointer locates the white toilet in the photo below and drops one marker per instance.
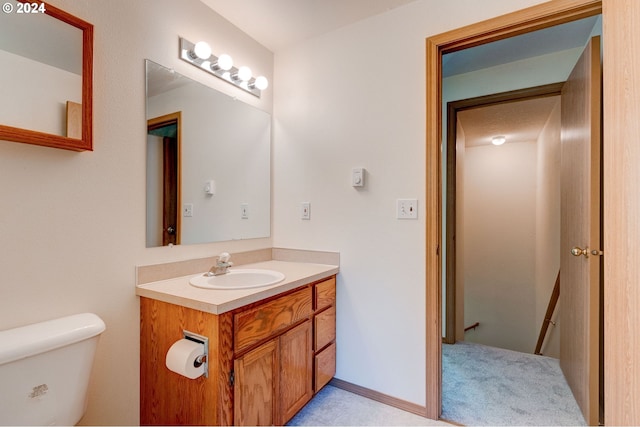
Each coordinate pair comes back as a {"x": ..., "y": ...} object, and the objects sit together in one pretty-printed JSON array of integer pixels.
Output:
[{"x": 45, "y": 368}]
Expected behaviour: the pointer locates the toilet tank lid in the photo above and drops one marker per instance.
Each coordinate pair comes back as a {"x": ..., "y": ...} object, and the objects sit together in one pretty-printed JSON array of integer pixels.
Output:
[{"x": 25, "y": 341}]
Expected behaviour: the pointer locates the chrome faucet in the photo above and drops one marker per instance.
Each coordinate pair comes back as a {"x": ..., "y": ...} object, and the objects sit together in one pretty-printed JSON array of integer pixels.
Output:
[{"x": 221, "y": 265}]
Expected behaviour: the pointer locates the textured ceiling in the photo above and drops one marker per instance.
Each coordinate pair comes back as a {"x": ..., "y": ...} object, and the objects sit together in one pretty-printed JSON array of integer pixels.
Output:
[{"x": 520, "y": 121}]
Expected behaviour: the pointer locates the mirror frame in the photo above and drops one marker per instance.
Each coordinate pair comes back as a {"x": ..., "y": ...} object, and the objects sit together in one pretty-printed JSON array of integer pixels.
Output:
[{"x": 10, "y": 133}]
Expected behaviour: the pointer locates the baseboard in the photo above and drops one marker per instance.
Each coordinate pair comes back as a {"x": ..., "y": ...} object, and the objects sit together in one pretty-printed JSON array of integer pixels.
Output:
[{"x": 380, "y": 397}]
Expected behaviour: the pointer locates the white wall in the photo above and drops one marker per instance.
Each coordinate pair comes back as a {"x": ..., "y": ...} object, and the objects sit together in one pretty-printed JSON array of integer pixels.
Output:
[
  {"x": 356, "y": 97},
  {"x": 548, "y": 227},
  {"x": 35, "y": 94},
  {"x": 226, "y": 141},
  {"x": 73, "y": 224},
  {"x": 500, "y": 242}
]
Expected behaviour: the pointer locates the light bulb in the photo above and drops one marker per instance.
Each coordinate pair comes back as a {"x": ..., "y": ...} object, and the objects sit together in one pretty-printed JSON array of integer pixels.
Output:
[
  {"x": 261, "y": 83},
  {"x": 498, "y": 140},
  {"x": 244, "y": 73},
  {"x": 202, "y": 50},
  {"x": 225, "y": 62}
]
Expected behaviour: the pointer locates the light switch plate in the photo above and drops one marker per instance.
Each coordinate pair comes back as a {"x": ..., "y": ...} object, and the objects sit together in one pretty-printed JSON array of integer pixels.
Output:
[
  {"x": 187, "y": 210},
  {"x": 210, "y": 187},
  {"x": 357, "y": 177},
  {"x": 407, "y": 209},
  {"x": 305, "y": 210},
  {"x": 244, "y": 210}
]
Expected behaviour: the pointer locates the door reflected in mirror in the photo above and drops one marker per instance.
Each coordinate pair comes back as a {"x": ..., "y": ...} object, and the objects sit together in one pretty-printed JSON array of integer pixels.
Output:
[{"x": 208, "y": 163}]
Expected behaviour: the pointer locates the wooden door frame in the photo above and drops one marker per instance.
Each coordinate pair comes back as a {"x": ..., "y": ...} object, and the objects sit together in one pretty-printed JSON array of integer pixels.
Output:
[
  {"x": 523, "y": 21},
  {"x": 165, "y": 120},
  {"x": 453, "y": 107}
]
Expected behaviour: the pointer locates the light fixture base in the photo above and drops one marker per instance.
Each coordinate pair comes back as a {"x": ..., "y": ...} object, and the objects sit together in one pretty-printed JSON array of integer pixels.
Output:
[{"x": 204, "y": 64}]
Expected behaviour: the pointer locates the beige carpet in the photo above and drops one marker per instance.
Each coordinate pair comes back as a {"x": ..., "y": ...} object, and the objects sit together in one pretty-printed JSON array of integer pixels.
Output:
[
  {"x": 336, "y": 407},
  {"x": 481, "y": 386},
  {"x": 484, "y": 385}
]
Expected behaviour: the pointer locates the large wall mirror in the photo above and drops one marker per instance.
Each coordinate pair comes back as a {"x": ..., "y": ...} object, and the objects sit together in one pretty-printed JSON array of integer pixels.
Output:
[
  {"x": 208, "y": 163},
  {"x": 46, "y": 76}
]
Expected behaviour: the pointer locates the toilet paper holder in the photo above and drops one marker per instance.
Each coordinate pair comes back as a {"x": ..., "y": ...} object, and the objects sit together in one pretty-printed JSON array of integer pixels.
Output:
[{"x": 203, "y": 359}]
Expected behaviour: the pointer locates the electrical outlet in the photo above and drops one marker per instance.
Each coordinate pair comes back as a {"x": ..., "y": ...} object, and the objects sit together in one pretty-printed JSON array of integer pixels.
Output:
[
  {"x": 407, "y": 209},
  {"x": 305, "y": 210}
]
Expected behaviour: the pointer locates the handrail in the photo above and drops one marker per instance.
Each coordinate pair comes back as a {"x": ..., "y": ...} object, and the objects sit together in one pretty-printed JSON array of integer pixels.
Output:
[
  {"x": 547, "y": 317},
  {"x": 474, "y": 326}
]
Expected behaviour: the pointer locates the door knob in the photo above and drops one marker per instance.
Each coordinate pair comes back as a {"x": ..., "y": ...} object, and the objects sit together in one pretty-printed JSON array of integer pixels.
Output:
[
  {"x": 577, "y": 251},
  {"x": 171, "y": 230}
]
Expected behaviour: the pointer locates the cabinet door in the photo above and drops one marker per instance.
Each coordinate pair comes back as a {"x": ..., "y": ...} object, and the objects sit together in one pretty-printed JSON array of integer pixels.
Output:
[
  {"x": 296, "y": 370},
  {"x": 256, "y": 386},
  {"x": 325, "y": 366}
]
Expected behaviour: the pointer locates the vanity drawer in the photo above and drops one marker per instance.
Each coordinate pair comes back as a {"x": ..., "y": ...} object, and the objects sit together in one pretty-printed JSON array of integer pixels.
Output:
[
  {"x": 265, "y": 320},
  {"x": 324, "y": 366},
  {"x": 324, "y": 328},
  {"x": 325, "y": 293}
]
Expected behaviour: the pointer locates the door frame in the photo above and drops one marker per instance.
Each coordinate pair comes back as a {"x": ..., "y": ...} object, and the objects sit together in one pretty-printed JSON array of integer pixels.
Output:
[
  {"x": 451, "y": 209},
  {"x": 158, "y": 122},
  {"x": 523, "y": 21}
]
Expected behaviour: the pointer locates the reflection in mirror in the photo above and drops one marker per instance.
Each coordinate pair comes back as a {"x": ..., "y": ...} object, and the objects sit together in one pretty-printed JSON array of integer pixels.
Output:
[
  {"x": 41, "y": 70},
  {"x": 208, "y": 163},
  {"x": 46, "y": 76}
]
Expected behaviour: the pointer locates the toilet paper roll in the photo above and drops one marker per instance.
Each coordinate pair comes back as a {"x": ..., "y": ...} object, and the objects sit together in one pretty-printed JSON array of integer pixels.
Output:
[{"x": 181, "y": 358}]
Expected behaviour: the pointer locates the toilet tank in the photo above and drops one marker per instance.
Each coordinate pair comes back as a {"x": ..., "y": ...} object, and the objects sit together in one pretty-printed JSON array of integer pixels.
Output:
[{"x": 45, "y": 369}]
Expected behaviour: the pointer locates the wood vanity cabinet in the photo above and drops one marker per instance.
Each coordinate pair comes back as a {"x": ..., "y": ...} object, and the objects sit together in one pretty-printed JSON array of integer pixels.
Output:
[
  {"x": 266, "y": 359},
  {"x": 273, "y": 382},
  {"x": 324, "y": 333}
]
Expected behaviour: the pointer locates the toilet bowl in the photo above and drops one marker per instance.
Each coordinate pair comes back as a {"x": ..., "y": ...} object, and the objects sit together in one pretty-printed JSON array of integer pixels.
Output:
[{"x": 45, "y": 369}]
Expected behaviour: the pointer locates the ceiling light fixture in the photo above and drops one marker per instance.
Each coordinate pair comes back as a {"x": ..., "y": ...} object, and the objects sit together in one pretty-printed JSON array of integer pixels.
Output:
[
  {"x": 498, "y": 140},
  {"x": 199, "y": 55}
]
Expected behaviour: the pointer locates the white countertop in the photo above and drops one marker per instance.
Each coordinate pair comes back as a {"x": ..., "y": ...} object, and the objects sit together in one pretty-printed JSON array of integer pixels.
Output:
[{"x": 178, "y": 291}]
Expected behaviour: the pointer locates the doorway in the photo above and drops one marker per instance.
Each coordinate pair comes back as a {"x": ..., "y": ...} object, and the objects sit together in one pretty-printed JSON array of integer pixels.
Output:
[
  {"x": 498, "y": 202},
  {"x": 527, "y": 20},
  {"x": 163, "y": 180}
]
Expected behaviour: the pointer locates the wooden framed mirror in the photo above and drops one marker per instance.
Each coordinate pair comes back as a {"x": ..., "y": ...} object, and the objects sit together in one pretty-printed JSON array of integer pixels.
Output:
[{"x": 29, "y": 35}]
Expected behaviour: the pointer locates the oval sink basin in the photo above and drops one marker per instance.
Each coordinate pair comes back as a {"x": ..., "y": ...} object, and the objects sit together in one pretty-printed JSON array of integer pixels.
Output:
[{"x": 238, "y": 279}]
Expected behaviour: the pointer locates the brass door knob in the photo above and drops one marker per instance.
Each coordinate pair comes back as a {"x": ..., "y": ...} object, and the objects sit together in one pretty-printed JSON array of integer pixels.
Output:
[{"x": 577, "y": 251}]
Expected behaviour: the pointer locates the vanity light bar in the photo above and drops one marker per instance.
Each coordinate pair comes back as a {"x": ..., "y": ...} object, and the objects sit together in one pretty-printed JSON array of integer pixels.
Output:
[{"x": 199, "y": 55}]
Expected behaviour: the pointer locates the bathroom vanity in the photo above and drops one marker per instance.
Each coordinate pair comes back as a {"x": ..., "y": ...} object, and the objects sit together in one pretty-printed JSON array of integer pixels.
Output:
[{"x": 270, "y": 349}]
